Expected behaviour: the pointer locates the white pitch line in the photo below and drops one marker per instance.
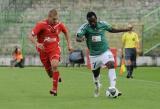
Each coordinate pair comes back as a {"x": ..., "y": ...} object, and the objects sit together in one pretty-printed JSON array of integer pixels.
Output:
[{"x": 153, "y": 82}]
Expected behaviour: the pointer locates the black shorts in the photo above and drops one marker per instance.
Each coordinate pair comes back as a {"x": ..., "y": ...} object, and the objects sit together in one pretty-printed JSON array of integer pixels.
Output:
[{"x": 130, "y": 54}]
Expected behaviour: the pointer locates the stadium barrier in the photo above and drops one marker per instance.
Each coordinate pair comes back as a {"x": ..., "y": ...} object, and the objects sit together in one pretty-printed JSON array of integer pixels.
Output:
[{"x": 35, "y": 61}]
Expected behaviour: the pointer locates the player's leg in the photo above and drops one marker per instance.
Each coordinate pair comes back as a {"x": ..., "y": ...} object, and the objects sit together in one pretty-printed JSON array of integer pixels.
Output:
[
  {"x": 108, "y": 60},
  {"x": 54, "y": 57},
  {"x": 96, "y": 79},
  {"x": 111, "y": 73},
  {"x": 95, "y": 66},
  {"x": 133, "y": 62},
  {"x": 46, "y": 63},
  {"x": 128, "y": 55},
  {"x": 48, "y": 69},
  {"x": 129, "y": 67},
  {"x": 96, "y": 76},
  {"x": 55, "y": 76}
]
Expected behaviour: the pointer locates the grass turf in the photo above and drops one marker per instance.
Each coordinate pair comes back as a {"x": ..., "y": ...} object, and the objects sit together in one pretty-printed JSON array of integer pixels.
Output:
[{"x": 28, "y": 88}]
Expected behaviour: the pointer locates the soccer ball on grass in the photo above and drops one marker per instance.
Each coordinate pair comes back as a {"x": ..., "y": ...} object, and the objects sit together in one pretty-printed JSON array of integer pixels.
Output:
[{"x": 112, "y": 92}]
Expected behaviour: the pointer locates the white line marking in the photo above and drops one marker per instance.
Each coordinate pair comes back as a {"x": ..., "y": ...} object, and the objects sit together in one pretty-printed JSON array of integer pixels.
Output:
[{"x": 153, "y": 82}]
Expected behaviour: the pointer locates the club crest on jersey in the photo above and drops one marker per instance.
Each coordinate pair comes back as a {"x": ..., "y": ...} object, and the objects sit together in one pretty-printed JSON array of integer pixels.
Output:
[{"x": 133, "y": 39}]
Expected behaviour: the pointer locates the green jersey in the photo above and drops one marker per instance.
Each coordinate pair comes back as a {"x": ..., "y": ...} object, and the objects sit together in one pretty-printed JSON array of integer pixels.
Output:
[{"x": 95, "y": 37}]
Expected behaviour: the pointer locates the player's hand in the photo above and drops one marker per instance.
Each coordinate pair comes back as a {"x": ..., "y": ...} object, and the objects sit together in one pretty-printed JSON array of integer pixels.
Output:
[
  {"x": 138, "y": 51},
  {"x": 121, "y": 53},
  {"x": 70, "y": 49},
  {"x": 40, "y": 46},
  {"x": 80, "y": 39},
  {"x": 48, "y": 39}
]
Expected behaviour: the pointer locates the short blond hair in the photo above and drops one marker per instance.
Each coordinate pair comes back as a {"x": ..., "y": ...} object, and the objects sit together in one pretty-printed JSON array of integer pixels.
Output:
[{"x": 53, "y": 13}]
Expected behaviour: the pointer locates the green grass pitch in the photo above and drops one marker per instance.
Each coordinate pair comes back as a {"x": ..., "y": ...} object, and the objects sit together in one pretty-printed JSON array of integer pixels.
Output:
[{"x": 28, "y": 88}]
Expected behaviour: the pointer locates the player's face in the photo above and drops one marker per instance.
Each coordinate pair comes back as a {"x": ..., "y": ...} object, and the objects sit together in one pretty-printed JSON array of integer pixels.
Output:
[
  {"x": 53, "y": 19},
  {"x": 130, "y": 27},
  {"x": 92, "y": 21}
]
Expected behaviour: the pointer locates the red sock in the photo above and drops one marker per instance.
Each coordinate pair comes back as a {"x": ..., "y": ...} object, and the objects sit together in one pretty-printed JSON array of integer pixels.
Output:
[{"x": 55, "y": 80}]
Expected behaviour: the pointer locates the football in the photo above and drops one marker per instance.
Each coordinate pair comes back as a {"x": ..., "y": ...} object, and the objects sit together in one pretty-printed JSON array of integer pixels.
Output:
[{"x": 112, "y": 92}]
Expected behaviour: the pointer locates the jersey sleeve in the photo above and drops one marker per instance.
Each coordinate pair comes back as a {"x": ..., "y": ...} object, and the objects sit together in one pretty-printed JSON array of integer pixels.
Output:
[
  {"x": 107, "y": 26},
  {"x": 38, "y": 27},
  {"x": 63, "y": 28},
  {"x": 81, "y": 31},
  {"x": 123, "y": 38},
  {"x": 137, "y": 39}
]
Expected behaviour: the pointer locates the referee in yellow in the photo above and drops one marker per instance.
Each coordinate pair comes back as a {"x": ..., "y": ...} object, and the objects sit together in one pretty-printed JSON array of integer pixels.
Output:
[{"x": 130, "y": 45}]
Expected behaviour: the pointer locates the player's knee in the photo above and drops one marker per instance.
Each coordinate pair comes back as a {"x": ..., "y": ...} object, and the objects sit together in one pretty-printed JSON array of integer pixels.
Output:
[
  {"x": 49, "y": 72},
  {"x": 128, "y": 62},
  {"x": 54, "y": 64},
  {"x": 54, "y": 67},
  {"x": 110, "y": 65},
  {"x": 96, "y": 72}
]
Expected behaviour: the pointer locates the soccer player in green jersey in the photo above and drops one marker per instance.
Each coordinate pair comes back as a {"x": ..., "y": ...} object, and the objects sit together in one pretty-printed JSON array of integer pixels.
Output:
[{"x": 93, "y": 33}]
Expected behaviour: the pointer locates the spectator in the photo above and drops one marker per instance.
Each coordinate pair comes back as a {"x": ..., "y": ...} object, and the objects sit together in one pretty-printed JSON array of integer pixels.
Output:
[{"x": 18, "y": 60}]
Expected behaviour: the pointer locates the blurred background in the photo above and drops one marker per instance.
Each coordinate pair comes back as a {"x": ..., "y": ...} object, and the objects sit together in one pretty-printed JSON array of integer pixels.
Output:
[{"x": 17, "y": 18}]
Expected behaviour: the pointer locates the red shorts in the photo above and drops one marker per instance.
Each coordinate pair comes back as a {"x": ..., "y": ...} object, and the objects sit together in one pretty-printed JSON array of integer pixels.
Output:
[{"x": 48, "y": 56}]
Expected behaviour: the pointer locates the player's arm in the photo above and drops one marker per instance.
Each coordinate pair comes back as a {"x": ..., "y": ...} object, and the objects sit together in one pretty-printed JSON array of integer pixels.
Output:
[
  {"x": 67, "y": 36},
  {"x": 111, "y": 29},
  {"x": 116, "y": 30},
  {"x": 139, "y": 52},
  {"x": 33, "y": 36},
  {"x": 80, "y": 39},
  {"x": 123, "y": 44},
  {"x": 137, "y": 44},
  {"x": 33, "y": 39},
  {"x": 80, "y": 36}
]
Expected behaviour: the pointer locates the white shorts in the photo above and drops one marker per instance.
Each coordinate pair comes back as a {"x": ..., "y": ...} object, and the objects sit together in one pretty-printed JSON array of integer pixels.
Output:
[{"x": 100, "y": 60}]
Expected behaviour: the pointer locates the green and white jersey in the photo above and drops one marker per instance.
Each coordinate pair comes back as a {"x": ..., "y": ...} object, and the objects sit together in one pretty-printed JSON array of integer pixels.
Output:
[{"x": 95, "y": 37}]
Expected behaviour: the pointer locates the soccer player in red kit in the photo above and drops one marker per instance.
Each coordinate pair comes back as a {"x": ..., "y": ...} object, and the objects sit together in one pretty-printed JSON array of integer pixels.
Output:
[{"x": 45, "y": 36}]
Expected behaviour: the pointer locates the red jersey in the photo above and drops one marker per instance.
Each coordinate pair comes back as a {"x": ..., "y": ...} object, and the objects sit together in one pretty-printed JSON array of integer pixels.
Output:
[{"x": 44, "y": 30}]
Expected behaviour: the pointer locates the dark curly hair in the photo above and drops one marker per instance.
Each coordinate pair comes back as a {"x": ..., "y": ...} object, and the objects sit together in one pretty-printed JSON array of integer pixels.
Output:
[{"x": 90, "y": 14}]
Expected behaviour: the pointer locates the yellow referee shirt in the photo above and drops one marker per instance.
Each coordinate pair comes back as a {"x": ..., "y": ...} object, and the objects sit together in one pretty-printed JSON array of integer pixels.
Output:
[{"x": 130, "y": 40}]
